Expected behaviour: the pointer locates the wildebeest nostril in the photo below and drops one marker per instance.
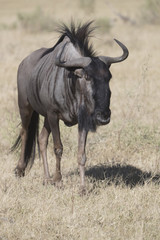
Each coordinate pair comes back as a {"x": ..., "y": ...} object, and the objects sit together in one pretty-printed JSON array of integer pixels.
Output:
[{"x": 102, "y": 118}]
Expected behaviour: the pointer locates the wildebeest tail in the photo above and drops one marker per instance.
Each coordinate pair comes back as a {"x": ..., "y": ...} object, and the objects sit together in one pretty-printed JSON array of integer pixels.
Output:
[
  {"x": 33, "y": 131},
  {"x": 32, "y": 139},
  {"x": 16, "y": 144}
]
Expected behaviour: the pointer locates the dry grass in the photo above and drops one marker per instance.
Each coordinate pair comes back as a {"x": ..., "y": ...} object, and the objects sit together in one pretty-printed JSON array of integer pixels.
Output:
[{"x": 123, "y": 167}]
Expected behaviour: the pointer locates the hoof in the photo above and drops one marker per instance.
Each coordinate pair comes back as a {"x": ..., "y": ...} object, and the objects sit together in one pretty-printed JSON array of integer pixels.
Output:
[
  {"x": 51, "y": 181},
  {"x": 82, "y": 191},
  {"x": 19, "y": 172},
  {"x": 57, "y": 177},
  {"x": 56, "y": 180},
  {"x": 48, "y": 181}
]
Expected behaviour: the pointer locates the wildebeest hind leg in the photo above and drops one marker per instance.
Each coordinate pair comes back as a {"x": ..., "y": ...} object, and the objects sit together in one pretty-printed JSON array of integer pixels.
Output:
[
  {"x": 58, "y": 147},
  {"x": 25, "y": 114},
  {"x": 43, "y": 142}
]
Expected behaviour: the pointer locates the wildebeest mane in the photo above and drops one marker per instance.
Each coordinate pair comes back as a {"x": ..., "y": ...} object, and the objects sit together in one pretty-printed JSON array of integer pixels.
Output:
[
  {"x": 79, "y": 36},
  {"x": 86, "y": 121},
  {"x": 48, "y": 50}
]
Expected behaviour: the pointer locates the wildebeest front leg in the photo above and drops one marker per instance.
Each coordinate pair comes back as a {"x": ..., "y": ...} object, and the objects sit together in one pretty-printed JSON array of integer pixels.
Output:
[
  {"x": 58, "y": 147},
  {"x": 82, "y": 157},
  {"x": 43, "y": 142}
]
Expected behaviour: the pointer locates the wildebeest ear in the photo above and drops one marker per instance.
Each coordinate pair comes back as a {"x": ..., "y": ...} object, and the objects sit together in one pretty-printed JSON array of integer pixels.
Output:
[{"x": 79, "y": 73}]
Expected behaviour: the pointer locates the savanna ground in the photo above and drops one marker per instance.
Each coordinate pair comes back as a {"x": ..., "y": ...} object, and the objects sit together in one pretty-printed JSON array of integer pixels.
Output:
[{"x": 123, "y": 166}]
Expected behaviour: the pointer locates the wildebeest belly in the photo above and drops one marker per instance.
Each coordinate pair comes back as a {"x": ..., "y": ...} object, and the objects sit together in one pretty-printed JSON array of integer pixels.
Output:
[{"x": 43, "y": 103}]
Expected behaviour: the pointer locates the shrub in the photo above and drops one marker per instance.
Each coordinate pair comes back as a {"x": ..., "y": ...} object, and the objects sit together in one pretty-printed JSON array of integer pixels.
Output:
[
  {"x": 104, "y": 25},
  {"x": 36, "y": 21},
  {"x": 87, "y": 5},
  {"x": 5, "y": 26},
  {"x": 151, "y": 12}
]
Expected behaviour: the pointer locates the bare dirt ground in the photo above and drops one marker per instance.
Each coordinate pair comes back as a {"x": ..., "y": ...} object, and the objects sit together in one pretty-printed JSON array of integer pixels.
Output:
[{"x": 123, "y": 166}]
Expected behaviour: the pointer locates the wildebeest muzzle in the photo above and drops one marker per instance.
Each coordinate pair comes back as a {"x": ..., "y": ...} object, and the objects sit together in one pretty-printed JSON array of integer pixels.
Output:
[{"x": 103, "y": 118}]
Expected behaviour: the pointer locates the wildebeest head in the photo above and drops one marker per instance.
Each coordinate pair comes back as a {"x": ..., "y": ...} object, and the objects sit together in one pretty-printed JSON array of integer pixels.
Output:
[{"x": 93, "y": 74}]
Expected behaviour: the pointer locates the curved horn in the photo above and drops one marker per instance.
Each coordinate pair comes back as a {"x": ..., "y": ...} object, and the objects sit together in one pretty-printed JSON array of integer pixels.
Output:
[
  {"x": 110, "y": 60},
  {"x": 76, "y": 62}
]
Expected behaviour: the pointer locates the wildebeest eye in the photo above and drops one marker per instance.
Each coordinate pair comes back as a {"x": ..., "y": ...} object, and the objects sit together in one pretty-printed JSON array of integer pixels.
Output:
[
  {"x": 82, "y": 74},
  {"x": 87, "y": 77},
  {"x": 79, "y": 73}
]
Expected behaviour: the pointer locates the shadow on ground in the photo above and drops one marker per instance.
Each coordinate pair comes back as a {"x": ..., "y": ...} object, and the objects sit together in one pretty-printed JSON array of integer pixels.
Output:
[
  {"x": 117, "y": 174},
  {"x": 126, "y": 175}
]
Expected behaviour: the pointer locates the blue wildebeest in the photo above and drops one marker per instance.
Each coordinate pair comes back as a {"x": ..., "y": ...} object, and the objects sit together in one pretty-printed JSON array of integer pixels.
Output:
[{"x": 67, "y": 82}]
